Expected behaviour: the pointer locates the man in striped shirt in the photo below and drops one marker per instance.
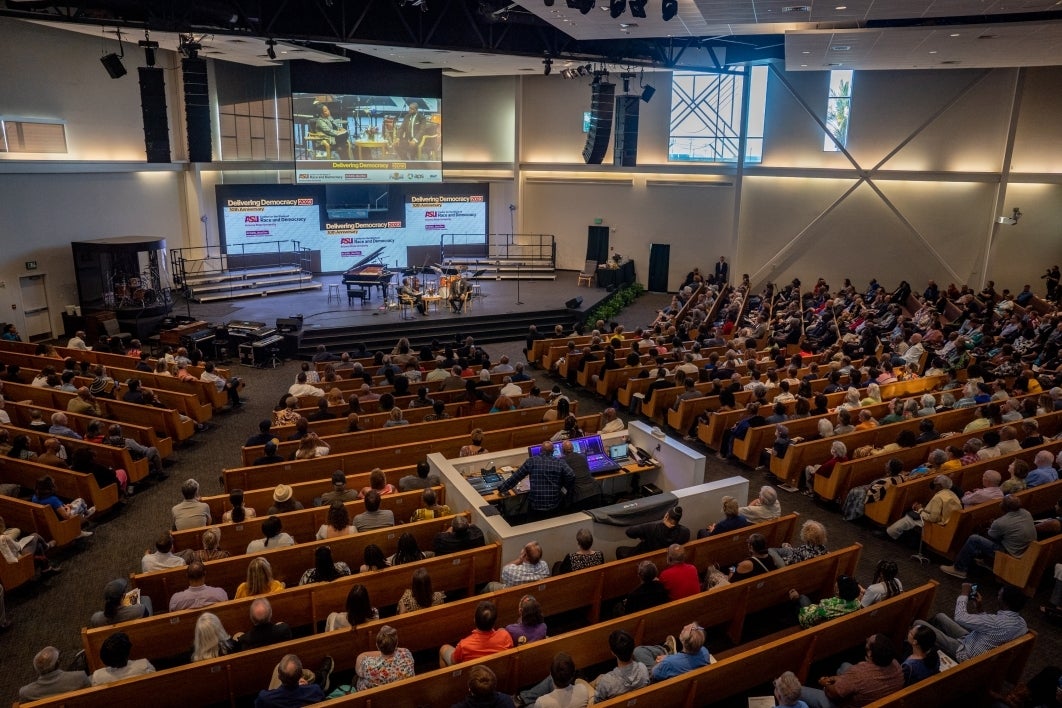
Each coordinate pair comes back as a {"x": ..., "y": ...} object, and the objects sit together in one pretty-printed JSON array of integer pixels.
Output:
[{"x": 974, "y": 633}]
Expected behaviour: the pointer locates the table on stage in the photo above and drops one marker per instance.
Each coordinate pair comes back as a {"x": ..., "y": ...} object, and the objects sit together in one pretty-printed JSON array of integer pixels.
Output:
[
  {"x": 370, "y": 149},
  {"x": 624, "y": 275}
]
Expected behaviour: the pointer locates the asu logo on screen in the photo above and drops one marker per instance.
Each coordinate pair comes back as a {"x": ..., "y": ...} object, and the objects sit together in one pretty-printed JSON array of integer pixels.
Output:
[
  {"x": 431, "y": 215},
  {"x": 251, "y": 219},
  {"x": 346, "y": 241}
]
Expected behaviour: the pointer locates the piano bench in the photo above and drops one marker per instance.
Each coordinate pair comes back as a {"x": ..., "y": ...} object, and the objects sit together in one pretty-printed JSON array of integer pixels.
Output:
[{"x": 359, "y": 293}]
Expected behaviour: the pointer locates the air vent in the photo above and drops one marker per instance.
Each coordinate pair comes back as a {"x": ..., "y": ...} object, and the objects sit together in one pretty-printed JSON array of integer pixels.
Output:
[
  {"x": 951, "y": 61},
  {"x": 796, "y": 8},
  {"x": 841, "y": 48}
]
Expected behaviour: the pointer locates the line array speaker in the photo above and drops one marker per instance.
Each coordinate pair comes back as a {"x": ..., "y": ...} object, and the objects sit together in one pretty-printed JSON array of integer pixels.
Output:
[
  {"x": 600, "y": 122},
  {"x": 156, "y": 119},
  {"x": 197, "y": 109},
  {"x": 625, "y": 146}
]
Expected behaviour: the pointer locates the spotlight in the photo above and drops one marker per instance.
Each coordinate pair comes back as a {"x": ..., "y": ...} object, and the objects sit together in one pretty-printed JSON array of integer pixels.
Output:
[
  {"x": 188, "y": 46},
  {"x": 271, "y": 52},
  {"x": 547, "y": 66},
  {"x": 113, "y": 64},
  {"x": 583, "y": 71},
  {"x": 669, "y": 8},
  {"x": 638, "y": 8},
  {"x": 616, "y": 8},
  {"x": 647, "y": 93}
]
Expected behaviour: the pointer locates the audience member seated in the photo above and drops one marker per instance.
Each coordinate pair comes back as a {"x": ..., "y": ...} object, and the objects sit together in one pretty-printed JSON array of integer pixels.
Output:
[
  {"x": 461, "y": 536},
  {"x": 339, "y": 491},
  {"x": 325, "y": 568},
  {"x": 764, "y": 507},
  {"x": 273, "y": 536},
  {"x": 628, "y": 674},
  {"x": 430, "y": 508},
  {"x": 387, "y": 664},
  {"x": 1011, "y": 533},
  {"x": 759, "y": 562},
  {"x": 483, "y": 641},
  {"x": 924, "y": 661},
  {"x": 679, "y": 577},
  {"x": 527, "y": 568},
  {"x": 649, "y": 593},
  {"x": 482, "y": 690},
  {"x": 211, "y": 640},
  {"x": 198, "y": 594},
  {"x": 238, "y": 513},
  {"x": 50, "y": 679},
  {"x": 421, "y": 480},
  {"x": 991, "y": 490},
  {"x": 210, "y": 550},
  {"x": 190, "y": 513},
  {"x": 283, "y": 501},
  {"x": 114, "y": 653},
  {"x": 264, "y": 631},
  {"x": 420, "y": 595},
  {"x": 732, "y": 520},
  {"x": 117, "y": 438},
  {"x": 259, "y": 580},
  {"x": 845, "y": 601},
  {"x": 294, "y": 689},
  {"x": 670, "y": 660},
  {"x": 408, "y": 551},
  {"x": 875, "y": 677},
  {"x": 938, "y": 510},
  {"x": 45, "y": 493},
  {"x": 530, "y": 626},
  {"x": 1044, "y": 472},
  {"x": 656, "y": 535},
  {"x": 120, "y": 605},
  {"x": 338, "y": 524},
  {"x": 358, "y": 609},
  {"x": 972, "y": 633},
  {"x": 584, "y": 557},
  {"x": 270, "y": 455},
  {"x": 378, "y": 483},
  {"x": 812, "y": 544},
  {"x": 374, "y": 517},
  {"x": 885, "y": 584},
  {"x": 162, "y": 557}
]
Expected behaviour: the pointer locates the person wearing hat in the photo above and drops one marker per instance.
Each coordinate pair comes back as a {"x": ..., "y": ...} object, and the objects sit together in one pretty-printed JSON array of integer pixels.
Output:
[
  {"x": 119, "y": 608},
  {"x": 283, "y": 500},
  {"x": 339, "y": 490},
  {"x": 270, "y": 455}
]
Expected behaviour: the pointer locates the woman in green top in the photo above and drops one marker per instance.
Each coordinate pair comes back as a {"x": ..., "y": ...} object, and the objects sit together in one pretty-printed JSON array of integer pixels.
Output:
[{"x": 846, "y": 600}]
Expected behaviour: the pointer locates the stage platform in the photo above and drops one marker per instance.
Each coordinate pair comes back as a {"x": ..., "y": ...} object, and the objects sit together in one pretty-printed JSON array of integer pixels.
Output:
[{"x": 497, "y": 314}]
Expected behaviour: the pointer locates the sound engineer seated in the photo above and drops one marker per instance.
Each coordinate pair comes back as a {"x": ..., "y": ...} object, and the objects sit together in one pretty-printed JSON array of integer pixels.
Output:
[
  {"x": 408, "y": 293},
  {"x": 550, "y": 478}
]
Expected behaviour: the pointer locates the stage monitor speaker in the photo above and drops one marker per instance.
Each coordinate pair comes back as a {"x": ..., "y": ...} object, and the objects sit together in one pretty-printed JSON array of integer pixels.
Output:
[
  {"x": 574, "y": 303},
  {"x": 153, "y": 108},
  {"x": 625, "y": 146},
  {"x": 197, "y": 109},
  {"x": 600, "y": 122},
  {"x": 289, "y": 324}
]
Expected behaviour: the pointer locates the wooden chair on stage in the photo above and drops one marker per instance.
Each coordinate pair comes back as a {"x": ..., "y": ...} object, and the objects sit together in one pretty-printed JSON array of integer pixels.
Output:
[{"x": 587, "y": 274}]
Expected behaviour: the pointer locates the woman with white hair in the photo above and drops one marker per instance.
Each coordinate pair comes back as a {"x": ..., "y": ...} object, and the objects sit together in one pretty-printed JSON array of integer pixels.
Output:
[
  {"x": 851, "y": 399},
  {"x": 838, "y": 453},
  {"x": 873, "y": 396},
  {"x": 825, "y": 428},
  {"x": 764, "y": 507},
  {"x": 211, "y": 639},
  {"x": 929, "y": 405}
]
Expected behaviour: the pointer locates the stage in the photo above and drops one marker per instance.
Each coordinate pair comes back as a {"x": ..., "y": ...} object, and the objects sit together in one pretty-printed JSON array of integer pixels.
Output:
[{"x": 502, "y": 310}]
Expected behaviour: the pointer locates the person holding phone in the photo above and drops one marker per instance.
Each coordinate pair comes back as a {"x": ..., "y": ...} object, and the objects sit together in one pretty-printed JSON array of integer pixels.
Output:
[{"x": 973, "y": 631}]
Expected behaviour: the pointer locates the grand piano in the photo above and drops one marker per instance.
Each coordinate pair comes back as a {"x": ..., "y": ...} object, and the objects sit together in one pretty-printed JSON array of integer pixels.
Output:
[{"x": 366, "y": 273}]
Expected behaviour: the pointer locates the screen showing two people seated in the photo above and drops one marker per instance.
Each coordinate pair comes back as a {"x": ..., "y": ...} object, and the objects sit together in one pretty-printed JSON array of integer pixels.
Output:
[
  {"x": 589, "y": 445},
  {"x": 361, "y": 138}
]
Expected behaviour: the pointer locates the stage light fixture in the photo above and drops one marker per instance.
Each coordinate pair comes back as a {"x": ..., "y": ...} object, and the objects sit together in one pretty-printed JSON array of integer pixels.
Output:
[
  {"x": 616, "y": 8},
  {"x": 271, "y": 51},
  {"x": 638, "y": 8},
  {"x": 647, "y": 93},
  {"x": 669, "y": 8},
  {"x": 547, "y": 66},
  {"x": 188, "y": 46}
]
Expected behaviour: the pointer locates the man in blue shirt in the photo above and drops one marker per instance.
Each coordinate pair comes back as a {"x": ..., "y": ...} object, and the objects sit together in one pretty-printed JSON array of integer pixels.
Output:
[
  {"x": 550, "y": 477},
  {"x": 668, "y": 661},
  {"x": 1044, "y": 472},
  {"x": 294, "y": 690},
  {"x": 973, "y": 633}
]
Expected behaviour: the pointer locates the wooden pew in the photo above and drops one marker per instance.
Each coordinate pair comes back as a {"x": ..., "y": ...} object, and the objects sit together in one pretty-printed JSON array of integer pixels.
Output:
[
  {"x": 143, "y": 434},
  {"x": 947, "y": 539},
  {"x": 68, "y": 483},
  {"x": 12, "y": 575},
  {"x": 1028, "y": 571},
  {"x": 116, "y": 457},
  {"x": 856, "y": 472},
  {"x": 898, "y": 499},
  {"x": 302, "y": 525},
  {"x": 366, "y": 421},
  {"x": 406, "y": 453},
  {"x": 385, "y": 437},
  {"x": 39, "y": 519},
  {"x": 289, "y": 562},
  {"x": 968, "y": 682},
  {"x": 301, "y": 606}
]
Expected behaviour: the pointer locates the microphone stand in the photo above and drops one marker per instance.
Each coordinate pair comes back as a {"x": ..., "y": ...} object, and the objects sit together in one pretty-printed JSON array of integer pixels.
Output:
[{"x": 518, "y": 300}]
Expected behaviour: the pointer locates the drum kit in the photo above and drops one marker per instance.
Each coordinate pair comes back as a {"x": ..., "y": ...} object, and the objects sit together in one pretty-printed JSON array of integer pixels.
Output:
[{"x": 133, "y": 291}]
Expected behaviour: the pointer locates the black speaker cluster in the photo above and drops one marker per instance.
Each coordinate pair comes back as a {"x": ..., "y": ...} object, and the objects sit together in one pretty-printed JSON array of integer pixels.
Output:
[
  {"x": 153, "y": 108},
  {"x": 197, "y": 109},
  {"x": 601, "y": 107}
]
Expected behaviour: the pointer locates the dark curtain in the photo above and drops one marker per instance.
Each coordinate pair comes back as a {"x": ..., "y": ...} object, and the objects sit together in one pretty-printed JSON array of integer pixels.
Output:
[{"x": 659, "y": 263}]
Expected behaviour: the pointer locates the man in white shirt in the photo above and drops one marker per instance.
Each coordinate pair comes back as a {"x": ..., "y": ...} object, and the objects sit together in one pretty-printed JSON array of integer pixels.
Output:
[
  {"x": 509, "y": 388},
  {"x": 163, "y": 557},
  {"x": 78, "y": 342},
  {"x": 190, "y": 513},
  {"x": 301, "y": 388}
]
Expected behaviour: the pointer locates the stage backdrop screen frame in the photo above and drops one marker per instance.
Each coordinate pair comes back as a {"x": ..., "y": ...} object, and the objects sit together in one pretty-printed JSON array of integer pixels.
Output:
[{"x": 414, "y": 225}]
